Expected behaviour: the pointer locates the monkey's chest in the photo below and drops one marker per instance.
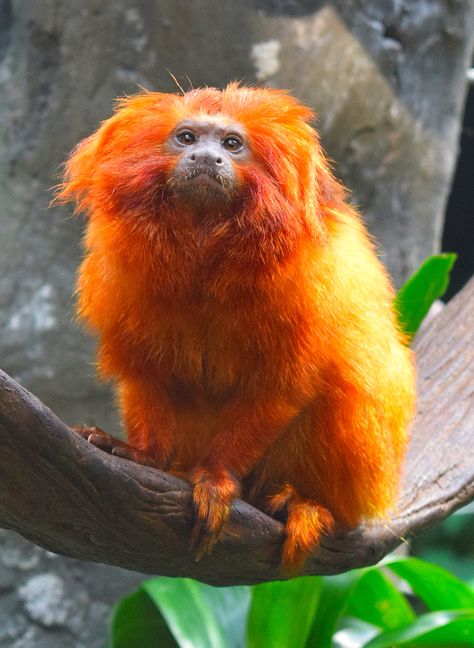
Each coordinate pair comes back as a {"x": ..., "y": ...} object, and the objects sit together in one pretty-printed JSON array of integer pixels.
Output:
[
  {"x": 208, "y": 359},
  {"x": 205, "y": 349},
  {"x": 208, "y": 350}
]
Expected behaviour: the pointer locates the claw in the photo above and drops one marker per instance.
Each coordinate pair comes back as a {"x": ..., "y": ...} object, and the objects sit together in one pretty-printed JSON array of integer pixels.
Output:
[
  {"x": 85, "y": 431},
  {"x": 202, "y": 540},
  {"x": 307, "y": 522},
  {"x": 213, "y": 496},
  {"x": 279, "y": 502}
]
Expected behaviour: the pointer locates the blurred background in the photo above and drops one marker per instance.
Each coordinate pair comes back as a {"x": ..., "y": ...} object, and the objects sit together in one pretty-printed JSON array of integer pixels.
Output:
[{"x": 388, "y": 81}]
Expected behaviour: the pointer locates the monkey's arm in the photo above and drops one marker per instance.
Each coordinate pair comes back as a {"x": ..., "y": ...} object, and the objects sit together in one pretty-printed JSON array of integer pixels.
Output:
[
  {"x": 248, "y": 430},
  {"x": 67, "y": 496}
]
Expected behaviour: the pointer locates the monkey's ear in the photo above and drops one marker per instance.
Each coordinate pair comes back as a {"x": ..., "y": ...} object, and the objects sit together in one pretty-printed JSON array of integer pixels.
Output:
[
  {"x": 78, "y": 174},
  {"x": 80, "y": 169}
]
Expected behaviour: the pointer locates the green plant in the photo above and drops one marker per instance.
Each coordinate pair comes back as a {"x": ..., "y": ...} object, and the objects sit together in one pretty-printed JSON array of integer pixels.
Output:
[
  {"x": 362, "y": 608},
  {"x": 416, "y": 296},
  {"x": 445, "y": 544}
]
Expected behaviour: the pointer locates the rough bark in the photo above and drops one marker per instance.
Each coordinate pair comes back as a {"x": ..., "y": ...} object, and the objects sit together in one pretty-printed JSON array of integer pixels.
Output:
[{"x": 71, "y": 498}]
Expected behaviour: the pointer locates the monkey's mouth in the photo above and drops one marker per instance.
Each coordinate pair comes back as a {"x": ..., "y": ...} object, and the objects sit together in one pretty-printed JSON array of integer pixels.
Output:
[
  {"x": 204, "y": 176},
  {"x": 203, "y": 184}
]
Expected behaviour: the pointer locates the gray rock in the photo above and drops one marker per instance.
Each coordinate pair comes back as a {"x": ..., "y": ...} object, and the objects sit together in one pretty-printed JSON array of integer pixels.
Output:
[{"x": 52, "y": 601}]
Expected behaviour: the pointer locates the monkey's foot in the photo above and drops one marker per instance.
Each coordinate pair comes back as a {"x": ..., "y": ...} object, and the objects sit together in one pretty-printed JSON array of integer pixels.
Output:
[
  {"x": 213, "y": 494},
  {"x": 114, "y": 446},
  {"x": 306, "y": 522}
]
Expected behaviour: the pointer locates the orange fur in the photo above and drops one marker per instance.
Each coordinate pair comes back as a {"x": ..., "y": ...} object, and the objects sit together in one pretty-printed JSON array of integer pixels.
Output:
[{"x": 256, "y": 346}]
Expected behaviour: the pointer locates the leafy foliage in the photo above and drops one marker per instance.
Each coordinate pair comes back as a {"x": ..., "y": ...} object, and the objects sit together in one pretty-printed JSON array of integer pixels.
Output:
[
  {"x": 169, "y": 612},
  {"x": 299, "y": 599},
  {"x": 425, "y": 286},
  {"x": 445, "y": 544},
  {"x": 363, "y": 606}
]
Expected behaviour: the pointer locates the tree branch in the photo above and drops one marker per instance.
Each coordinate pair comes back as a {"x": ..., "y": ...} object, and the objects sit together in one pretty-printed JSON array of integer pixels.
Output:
[{"x": 71, "y": 498}]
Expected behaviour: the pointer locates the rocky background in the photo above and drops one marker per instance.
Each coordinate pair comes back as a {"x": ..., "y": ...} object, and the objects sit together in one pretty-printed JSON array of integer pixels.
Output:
[{"x": 387, "y": 80}]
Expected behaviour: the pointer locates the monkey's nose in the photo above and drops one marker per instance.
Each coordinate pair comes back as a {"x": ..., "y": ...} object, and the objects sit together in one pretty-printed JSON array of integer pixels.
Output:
[{"x": 206, "y": 156}]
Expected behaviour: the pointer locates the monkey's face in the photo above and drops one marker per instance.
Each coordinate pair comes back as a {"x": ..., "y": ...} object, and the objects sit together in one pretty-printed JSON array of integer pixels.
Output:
[
  {"x": 207, "y": 153},
  {"x": 246, "y": 152}
]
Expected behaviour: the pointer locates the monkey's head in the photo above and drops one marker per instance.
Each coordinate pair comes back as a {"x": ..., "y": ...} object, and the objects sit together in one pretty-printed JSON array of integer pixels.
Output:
[
  {"x": 236, "y": 151},
  {"x": 208, "y": 151}
]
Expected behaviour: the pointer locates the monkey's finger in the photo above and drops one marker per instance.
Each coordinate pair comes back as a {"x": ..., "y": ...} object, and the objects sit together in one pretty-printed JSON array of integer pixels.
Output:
[
  {"x": 110, "y": 444},
  {"x": 96, "y": 436},
  {"x": 102, "y": 441},
  {"x": 280, "y": 501},
  {"x": 307, "y": 522},
  {"x": 202, "y": 539},
  {"x": 196, "y": 535},
  {"x": 212, "y": 495},
  {"x": 86, "y": 430},
  {"x": 206, "y": 545}
]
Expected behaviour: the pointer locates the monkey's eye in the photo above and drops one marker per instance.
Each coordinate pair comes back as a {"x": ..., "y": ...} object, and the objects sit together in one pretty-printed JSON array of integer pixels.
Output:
[
  {"x": 233, "y": 144},
  {"x": 185, "y": 138}
]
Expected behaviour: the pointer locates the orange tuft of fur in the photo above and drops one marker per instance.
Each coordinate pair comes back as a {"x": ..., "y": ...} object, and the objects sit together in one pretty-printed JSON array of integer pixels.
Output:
[{"x": 254, "y": 349}]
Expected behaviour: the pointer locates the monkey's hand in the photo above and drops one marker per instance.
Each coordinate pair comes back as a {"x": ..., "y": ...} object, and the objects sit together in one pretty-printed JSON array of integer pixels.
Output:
[
  {"x": 238, "y": 445},
  {"x": 213, "y": 493},
  {"x": 97, "y": 437},
  {"x": 306, "y": 522}
]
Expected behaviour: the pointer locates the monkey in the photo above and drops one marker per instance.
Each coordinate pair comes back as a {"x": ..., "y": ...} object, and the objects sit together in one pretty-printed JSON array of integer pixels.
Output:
[{"x": 242, "y": 311}]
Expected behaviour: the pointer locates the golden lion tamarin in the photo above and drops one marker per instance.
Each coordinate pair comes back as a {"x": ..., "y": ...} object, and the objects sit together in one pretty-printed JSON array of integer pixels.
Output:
[{"x": 241, "y": 310}]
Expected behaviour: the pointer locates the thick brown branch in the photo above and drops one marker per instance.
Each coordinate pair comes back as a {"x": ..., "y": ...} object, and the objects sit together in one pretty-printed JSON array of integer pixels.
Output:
[{"x": 71, "y": 498}]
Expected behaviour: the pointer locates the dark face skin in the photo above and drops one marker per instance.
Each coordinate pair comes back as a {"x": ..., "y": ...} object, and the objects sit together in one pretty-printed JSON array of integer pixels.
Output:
[{"x": 207, "y": 153}]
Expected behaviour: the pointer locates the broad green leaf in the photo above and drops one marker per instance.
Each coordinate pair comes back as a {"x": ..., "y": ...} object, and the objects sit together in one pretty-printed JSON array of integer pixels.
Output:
[
  {"x": 333, "y": 600},
  {"x": 426, "y": 285},
  {"x": 354, "y": 633},
  {"x": 198, "y": 615},
  {"x": 438, "y": 589},
  {"x": 231, "y": 606},
  {"x": 136, "y": 622},
  {"x": 445, "y": 544},
  {"x": 281, "y": 612},
  {"x": 447, "y": 629},
  {"x": 458, "y": 565},
  {"x": 376, "y": 600}
]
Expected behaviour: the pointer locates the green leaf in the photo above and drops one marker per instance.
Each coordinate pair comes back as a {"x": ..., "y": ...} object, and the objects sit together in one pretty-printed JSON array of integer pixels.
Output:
[
  {"x": 136, "y": 621},
  {"x": 439, "y": 589},
  {"x": 457, "y": 564},
  {"x": 354, "y": 633},
  {"x": 427, "y": 284},
  {"x": 281, "y": 612},
  {"x": 199, "y": 615},
  {"x": 376, "y": 600},
  {"x": 445, "y": 629},
  {"x": 333, "y": 600}
]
